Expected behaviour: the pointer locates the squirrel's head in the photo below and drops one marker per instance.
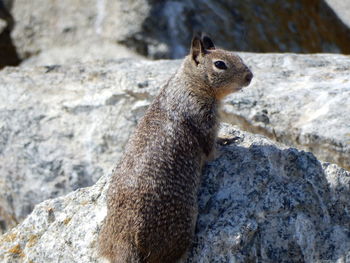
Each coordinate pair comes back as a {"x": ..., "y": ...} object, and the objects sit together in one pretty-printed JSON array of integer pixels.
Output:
[{"x": 223, "y": 71}]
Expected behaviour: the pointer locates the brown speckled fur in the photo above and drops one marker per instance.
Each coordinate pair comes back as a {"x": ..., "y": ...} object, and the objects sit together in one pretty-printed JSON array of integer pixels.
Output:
[{"x": 152, "y": 198}]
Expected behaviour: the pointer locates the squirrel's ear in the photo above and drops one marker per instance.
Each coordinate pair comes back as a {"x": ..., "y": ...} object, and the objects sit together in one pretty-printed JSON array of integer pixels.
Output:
[
  {"x": 197, "y": 48},
  {"x": 207, "y": 42}
]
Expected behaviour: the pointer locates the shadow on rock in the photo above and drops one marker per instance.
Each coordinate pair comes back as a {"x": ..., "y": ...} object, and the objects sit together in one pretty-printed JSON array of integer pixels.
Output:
[{"x": 8, "y": 53}]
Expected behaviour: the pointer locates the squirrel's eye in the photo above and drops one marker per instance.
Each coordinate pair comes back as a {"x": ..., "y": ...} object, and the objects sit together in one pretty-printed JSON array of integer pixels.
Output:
[{"x": 220, "y": 64}]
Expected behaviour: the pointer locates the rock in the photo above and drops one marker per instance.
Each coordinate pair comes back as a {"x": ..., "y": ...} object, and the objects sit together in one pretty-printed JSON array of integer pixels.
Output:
[
  {"x": 62, "y": 127},
  {"x": 302, "y": 101},
  {"x": 342, "y": 10},
  {"x": 55, "y": 27},
  {"x": 255, "y": 26},
  {"x": 265, "y": 203},
  {"x": 41, "y": 25},
  {"x": 259, "y": 202},
  {"x": 81, "y": 53},
  {"x": 163, "y": 29},
  {"x": 77, "y": 219}
]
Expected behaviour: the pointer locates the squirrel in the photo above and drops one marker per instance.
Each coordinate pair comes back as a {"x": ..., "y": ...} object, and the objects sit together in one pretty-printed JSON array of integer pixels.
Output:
[{"x": 152, "y": 196}]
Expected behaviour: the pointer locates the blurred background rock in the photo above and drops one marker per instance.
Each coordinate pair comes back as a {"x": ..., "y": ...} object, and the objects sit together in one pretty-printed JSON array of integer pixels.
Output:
[{"x": 56, "y": 32}]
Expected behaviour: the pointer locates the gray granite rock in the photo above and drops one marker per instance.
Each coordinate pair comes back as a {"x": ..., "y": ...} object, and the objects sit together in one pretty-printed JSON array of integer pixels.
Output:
[
  {"x": 62, "y": 127},
  {"x": 163, "y": 29},
  {"x": 303, "y": 101},
  {"x": 259, "y": 202}
]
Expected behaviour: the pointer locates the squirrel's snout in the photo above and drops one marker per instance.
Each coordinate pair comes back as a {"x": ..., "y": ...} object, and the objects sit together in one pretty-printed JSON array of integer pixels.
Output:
[{"x": 248, "y": 78}]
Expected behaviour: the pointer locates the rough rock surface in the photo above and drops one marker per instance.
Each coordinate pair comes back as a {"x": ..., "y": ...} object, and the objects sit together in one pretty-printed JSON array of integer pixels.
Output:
[
  {"x": 62, "y": 127},
  {"x": 259, "y": 202},
  {"x": 298, "y": 100},
  {"x": 161, "y": 29}
]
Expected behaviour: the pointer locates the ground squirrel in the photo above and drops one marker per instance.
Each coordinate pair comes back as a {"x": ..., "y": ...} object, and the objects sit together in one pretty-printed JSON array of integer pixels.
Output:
[{"x": 152, "y": 197}]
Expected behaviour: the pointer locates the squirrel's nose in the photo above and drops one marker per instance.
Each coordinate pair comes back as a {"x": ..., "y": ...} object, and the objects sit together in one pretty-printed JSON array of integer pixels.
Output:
[{"x": 248, "y": 77}]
